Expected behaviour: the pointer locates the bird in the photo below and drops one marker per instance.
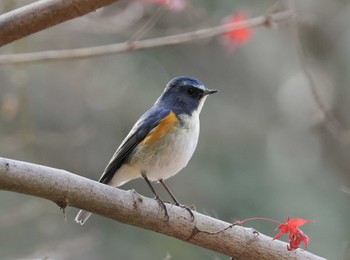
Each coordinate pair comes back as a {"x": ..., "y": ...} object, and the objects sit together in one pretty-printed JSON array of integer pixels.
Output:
[{"x": 161, "y": 142}]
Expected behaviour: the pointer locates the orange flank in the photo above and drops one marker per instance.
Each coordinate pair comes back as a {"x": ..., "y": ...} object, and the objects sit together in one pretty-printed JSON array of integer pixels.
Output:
[{"x": 164, "y": 127}]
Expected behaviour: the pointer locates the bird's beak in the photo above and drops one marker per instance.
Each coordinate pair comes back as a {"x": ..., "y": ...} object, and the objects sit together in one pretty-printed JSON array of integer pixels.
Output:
[{"x": 210, "y": 91}]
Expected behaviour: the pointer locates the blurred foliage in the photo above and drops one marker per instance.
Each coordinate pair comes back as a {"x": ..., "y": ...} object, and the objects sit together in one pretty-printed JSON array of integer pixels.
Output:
[{"x": 263, "y": 149}]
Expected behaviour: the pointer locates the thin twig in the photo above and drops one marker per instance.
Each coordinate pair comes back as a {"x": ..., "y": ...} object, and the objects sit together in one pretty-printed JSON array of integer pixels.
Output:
[
  {"x": 331, "y": 123},
  {"x": 55, "y": 55}
]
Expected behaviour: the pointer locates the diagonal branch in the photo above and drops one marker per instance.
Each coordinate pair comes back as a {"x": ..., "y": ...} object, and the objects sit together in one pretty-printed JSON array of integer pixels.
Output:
[
  {"x": 80, "y": 53},
  {"x": 67, "y": 189},
  {"x": 43, "y": 14}
]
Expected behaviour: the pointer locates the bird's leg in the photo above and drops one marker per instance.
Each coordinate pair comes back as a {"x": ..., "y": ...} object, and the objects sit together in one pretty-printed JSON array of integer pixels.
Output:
[
  {"x": 157, "y": 198},
  {"x": 175, "y": 200}
]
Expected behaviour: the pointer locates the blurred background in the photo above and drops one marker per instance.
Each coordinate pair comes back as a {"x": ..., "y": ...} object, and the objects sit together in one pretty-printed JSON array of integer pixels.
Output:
[{"x": 265, "y": 148}]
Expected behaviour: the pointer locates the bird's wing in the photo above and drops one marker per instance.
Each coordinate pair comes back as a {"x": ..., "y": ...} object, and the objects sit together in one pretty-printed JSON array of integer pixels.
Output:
[{"x": 144, "y": 126}]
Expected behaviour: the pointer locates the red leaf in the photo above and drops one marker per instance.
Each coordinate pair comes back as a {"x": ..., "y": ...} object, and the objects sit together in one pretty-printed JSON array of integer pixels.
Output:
[{"x": 296, "y": 236}]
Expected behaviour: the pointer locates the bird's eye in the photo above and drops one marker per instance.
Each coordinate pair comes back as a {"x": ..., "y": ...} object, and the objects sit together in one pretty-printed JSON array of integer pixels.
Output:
[{"x": 190, "y": 91}]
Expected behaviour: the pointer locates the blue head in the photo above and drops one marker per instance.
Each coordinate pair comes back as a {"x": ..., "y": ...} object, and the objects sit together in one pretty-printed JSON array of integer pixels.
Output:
[{"x": 184, "y": 95}]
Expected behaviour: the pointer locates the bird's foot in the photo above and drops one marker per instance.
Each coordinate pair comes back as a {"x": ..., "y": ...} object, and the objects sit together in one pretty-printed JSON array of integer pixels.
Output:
[
  {"x": 188, "y": 208},
  {"x": 162, "y": 205}
]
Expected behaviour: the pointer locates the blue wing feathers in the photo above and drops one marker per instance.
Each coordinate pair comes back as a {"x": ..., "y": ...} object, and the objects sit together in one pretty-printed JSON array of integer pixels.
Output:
[{"x": 147, "y": 122}]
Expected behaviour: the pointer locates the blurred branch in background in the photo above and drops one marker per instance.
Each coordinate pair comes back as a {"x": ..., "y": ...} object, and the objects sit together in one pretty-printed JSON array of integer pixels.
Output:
[
  {"x": 55, "y": 55},
  {"x": 67, "y": 189},
  {"x": 43, "y": 14}
]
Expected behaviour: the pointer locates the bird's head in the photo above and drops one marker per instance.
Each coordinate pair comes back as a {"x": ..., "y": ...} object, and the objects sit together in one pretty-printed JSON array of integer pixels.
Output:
[{"x": 184, "y": 95}]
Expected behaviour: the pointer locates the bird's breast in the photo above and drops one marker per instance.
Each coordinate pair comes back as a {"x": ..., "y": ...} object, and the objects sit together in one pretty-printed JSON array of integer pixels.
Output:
[{"x": 167, "y": 155}]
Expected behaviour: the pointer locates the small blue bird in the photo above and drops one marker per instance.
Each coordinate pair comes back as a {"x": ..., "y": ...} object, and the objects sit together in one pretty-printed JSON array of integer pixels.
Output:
[{"x": 161, "y": 142}]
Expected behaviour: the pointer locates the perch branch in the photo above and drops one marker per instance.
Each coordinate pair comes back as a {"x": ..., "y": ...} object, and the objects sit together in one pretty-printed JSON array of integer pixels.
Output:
[{"x": 67, "y": 189}]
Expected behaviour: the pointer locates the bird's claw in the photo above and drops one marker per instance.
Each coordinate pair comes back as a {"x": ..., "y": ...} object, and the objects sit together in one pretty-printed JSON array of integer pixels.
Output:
[
  {"x": 188, "y": 209},
  {"x": 162, "y": 205}
]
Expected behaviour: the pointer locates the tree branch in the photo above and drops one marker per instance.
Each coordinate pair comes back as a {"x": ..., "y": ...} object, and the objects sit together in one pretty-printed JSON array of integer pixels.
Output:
[
  {"x": 55, "y": 55},
  {"x": 43, "y": 14},
  {"x": 67, "y": 189}
]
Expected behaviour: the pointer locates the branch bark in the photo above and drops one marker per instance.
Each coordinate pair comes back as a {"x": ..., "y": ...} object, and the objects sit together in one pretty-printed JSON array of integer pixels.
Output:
[
  {"x": 67, "y": 189},
  {"x": 43, "y": 14}
]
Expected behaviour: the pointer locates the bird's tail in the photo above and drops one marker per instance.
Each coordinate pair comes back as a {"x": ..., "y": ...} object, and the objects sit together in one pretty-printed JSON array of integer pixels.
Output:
[
  {"x": 82, "y": 216},
  {"x": 116, "y": 181}
]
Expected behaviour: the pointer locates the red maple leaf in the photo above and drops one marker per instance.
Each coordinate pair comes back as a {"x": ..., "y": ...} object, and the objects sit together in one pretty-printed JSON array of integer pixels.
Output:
[
  {"x": 238, "y": 37},
  {"x": 296, "y": 236}
]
